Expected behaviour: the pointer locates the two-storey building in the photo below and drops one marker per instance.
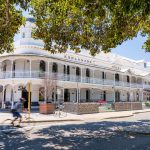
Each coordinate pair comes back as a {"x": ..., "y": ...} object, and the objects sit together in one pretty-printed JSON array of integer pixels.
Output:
[{"x": 80, "y": 77}]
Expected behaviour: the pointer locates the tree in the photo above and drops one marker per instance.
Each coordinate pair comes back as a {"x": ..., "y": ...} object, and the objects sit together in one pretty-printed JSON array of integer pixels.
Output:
[
  {"x": 93, "y": 25},
  {"x": 50, "y": 87},
  {"x": 10, "y": 21}
]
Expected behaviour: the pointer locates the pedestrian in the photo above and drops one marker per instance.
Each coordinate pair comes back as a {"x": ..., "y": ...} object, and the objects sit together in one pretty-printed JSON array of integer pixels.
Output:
[{"x": 15, "y": 110}]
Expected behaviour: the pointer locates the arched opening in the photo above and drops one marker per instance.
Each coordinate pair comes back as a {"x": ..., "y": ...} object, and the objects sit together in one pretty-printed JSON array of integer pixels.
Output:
[
  {"x": 78, "y": 71},
  {"x": 133, "y": 79},
  {"x": 117, "y": 96},
  {"x": 66, "y": 95},
  {"x": 128, "y": 79},
  {"x": 87, "y": 95},
  {"x": 55, "y": 68},
  {"x": 137, "y": 96},
  {"x": 87, "y": 72},
  {"x": 20, "y": 67},
  {"x": 42, "y": 66},
  {"x": 128, "y": 96},
  {"x": 64, "y": 69},
  {"x": 68, "y": 70},
  {"x": 6, "y": 68},
  {"x": 116, "y": 77}
]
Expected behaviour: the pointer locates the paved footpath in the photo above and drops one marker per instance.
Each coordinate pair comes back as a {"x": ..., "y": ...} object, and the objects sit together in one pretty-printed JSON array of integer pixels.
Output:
[{"x": 73, "y": 117}]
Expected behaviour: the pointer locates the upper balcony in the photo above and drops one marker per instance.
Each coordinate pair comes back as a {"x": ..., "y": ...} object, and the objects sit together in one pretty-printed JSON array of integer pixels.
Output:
[{"x": 70, "y": 78}]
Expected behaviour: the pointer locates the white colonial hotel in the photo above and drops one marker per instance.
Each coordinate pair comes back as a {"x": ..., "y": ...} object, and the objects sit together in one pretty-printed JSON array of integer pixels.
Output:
[{"x": 80, "y": 77}]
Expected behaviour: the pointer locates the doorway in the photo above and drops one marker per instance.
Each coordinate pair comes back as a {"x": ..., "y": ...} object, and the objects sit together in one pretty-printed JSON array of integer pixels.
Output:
[
  {"x": 66, "y": 95},
  {"x": 117, "y": 96},
  {"x": 87, "y": 95},
  {"x": 25, "y": 95}
]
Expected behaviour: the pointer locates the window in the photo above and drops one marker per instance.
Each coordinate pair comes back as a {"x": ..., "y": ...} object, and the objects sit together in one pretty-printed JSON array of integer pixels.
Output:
[
  {"x": 117, "y": 96},
  {"x": 78, "y": 71},
  {"x": 145, "y": 65},
  {"x": 42, "y": 66},
  {"x": 55, "y": 68},
  {"x": 103, "y": 75},
  {"x": 4, "y": 67},
  {"x": 128, "y": 79},
  {"x": 64, "y": 69},
  {"x": 87, "y": 72},
  {"x": 87, "y": 95},
  {"x": 116, "y": 77},
  {"x": 23, "y": 35},
  {"x": 68, "y": 70}
]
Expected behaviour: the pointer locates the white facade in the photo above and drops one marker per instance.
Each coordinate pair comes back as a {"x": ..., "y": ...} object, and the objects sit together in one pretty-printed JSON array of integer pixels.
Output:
[{"x": 80, "y": 77}]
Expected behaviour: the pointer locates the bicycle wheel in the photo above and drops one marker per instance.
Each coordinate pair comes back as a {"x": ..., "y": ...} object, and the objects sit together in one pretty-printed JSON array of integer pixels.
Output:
[
  {"x": 56, "y": 113},
  {"x": 7, "y": 126},
  {"x": 60, "y": 114},
  {"x": 63, "y": 114},
  {"x": 27, "y": 124}
]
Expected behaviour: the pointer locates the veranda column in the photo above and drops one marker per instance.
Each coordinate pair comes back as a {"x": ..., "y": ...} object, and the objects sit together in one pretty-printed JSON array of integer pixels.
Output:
[
  {"x": 30, "y": 67},
  {"x": 114, "y": 79},
  {"x": 114, "y": 96},
  {"x": 3, "y": 97},
  {"x": 142, "y": 96},
  {"x": 79, "y": 95},
  {"x": 12, "y": 62},
  {"x": 63, "y": 94},
  {"x": 130, "y": 81},
  {"x": 122, "y": 81},
  {"x": 93, "y": 76},
  {"x": 81, "y": 74},
  {"x": 48, "y": 69}
]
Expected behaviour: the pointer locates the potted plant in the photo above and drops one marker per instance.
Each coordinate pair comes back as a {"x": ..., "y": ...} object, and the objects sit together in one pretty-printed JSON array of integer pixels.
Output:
[{"x": 46, "y": 107}]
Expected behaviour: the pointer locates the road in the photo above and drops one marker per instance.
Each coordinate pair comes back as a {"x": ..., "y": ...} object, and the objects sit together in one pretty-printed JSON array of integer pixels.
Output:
[{"x": 80, "y": 136}]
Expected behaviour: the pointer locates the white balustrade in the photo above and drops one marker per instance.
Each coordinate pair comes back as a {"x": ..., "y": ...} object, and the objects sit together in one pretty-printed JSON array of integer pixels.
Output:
[{"x": 65, "y": 77}]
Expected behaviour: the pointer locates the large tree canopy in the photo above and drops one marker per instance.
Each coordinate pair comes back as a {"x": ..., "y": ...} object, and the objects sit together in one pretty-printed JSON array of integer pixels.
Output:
[
  {"x": 89, "y": 24},
  {"x": 10, "y": 20}
]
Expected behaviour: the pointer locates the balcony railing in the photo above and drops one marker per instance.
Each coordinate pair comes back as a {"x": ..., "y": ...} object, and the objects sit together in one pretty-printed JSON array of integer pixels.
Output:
[{"x": 71, "y": 78}]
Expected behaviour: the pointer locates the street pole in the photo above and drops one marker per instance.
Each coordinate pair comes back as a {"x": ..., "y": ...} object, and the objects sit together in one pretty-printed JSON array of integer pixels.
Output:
[{"x": 29, "y": 100}]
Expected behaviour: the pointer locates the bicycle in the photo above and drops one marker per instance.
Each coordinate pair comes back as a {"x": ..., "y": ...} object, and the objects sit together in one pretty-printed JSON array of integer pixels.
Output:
[
  {"x": 59, "y": 111},
  {"x": 26, "y": 123}
]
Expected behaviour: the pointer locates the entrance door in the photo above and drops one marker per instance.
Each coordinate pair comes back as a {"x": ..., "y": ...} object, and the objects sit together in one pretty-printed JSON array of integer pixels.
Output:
[
  {"x": 25, "y": 94},
  {"x": 87, "y": 95},
  {"x": 117, "y": 96},
  {"x": 104, "y": 96},
  {"x": 66, "y": 95}
]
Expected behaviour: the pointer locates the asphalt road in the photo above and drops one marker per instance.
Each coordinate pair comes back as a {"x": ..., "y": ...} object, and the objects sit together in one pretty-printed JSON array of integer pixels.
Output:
[{"x": 79, "y": 136}]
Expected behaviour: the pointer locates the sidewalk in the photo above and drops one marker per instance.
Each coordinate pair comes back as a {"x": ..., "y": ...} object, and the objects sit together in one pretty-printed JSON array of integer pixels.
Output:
[{"x": 73, "y": 117}]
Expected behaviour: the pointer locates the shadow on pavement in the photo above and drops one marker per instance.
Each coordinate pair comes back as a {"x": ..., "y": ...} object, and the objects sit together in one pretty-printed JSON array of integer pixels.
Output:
[{"x": 88, "y": 136}]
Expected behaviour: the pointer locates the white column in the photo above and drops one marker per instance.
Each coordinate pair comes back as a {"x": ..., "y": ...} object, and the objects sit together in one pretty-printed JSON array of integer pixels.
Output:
[
  {"x": 3, "y": 97},
  {"x": 130, "y": 80},
  {"x": 114, "y": 79},
  {"x": 81, "y": 73},
  {"x": 48, "y": 69},
  {"x": 77, "y": 96},
  {"x": 30, "y": 68},
  {"x": 114, "y": 96},
  {"x": 142, "y": 95},
  {"x": 93, "y": 76},
  {"x": 122, "y": 80},
  {"x": 12, "y": 68},
  {"x": 63, "y": 94},
  {"x": 45, "y": 93}
]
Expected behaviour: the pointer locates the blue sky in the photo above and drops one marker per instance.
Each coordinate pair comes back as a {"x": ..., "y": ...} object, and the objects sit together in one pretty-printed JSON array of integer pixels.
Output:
[
  {"x": 133, "y": 49},
  {"x": 130, "y": 48}
]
